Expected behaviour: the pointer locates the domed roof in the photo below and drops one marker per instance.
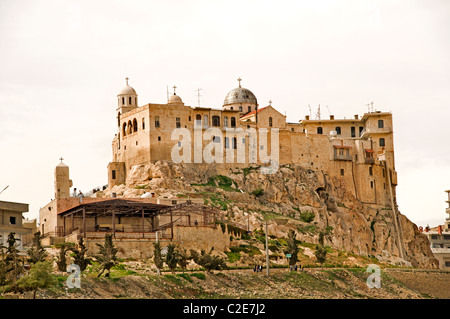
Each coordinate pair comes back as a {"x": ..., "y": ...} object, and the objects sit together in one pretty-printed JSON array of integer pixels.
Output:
[
  {"x": 175, "y": 99},
  {"x": 240, "y": 95},
  {"x": 127, "y": 90}
]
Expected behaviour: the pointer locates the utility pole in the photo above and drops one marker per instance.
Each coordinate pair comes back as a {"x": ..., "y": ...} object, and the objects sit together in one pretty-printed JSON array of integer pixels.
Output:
[{"x": 267, "y": 252}]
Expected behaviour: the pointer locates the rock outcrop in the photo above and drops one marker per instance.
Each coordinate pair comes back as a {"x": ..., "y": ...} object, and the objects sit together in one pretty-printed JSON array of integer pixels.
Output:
[{"x": 293, "y": 198}]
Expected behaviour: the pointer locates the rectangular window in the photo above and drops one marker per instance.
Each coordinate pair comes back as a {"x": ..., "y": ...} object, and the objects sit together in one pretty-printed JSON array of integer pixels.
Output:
[
  {"x": 342, "y": 172},
  {"x": 178, "y": 122},
  {"x": 113, "y": 173},
  {"x": 159, "y": 138},
  {"x": 353, "y": 131},
  {"x": 380, "y": 124},
  {"x": 370, "y": 170},
  {"x": 382, "y": 142},
  {"x": 143, "y": 124},
  {"x": 12, "y": 220},
  {"x": 216, "y": 139},
  {"x": 371, "y": 184},
  {"x": 156, "y": 121},
  {"x": 227, "y": 142}
]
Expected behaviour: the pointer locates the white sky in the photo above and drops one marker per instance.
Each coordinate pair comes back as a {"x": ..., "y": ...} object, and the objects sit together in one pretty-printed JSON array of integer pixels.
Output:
[{"x": 63, "y": 63}]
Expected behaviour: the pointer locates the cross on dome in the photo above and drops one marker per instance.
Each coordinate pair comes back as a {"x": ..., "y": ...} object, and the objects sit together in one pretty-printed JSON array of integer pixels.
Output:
[
  {"x": 239, "y": 80},
  {"x": 174, "y": 88},
  {"x": 126, "y": 79},
  {"x": 61, "y": 159}
]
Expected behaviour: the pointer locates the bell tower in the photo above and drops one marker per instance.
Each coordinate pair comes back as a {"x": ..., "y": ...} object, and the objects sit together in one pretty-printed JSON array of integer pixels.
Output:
[{"x": 62, "y": 181}]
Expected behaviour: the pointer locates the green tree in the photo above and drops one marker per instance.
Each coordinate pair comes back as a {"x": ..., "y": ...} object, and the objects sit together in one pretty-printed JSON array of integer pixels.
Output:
[
  {"x": 157, "y": 257},
  {"x": 107, "y": 255},
  {"x": 61, "y": 261},
  {"x": 208, "y": 261},
  {"x": 14, "y": 267},
  {"x": 172, "y": 257},
  {"x": 39, "y": 277},
  {"x": 292, "y": 247},
  {"x": 183, "y": 258},
  {"x": 321, "y": 251},
  {"x": 37, "y": 252},
  {"x": 80, "y": 255}
]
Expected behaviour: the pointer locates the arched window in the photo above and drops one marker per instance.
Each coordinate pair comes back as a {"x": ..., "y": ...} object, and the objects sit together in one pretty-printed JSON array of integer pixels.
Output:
[
  {"x": 215, "y": 120},
  {"x": 225, "y": 121},
  {"x": 240, "y": 108},
  {"x": 123, "y": 101},
  {"x": 135, "y": 126},
  {"x": 198, "y": 120},
  {"x": 135, "y": 101},
  {"x": 382, "y": 142},
  {"x": 233, "y": 121},
  {"x": 130, "y": 127},
  {"x": 270, "y": 122},
  {"x": 124, "y": 129},
  {"x": 129, "y": 100},
  {"x": 319, "y": 130}
]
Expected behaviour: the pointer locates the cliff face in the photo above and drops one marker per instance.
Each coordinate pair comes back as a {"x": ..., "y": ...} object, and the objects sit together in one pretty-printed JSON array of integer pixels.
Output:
[{"x": 292, "y": 198}]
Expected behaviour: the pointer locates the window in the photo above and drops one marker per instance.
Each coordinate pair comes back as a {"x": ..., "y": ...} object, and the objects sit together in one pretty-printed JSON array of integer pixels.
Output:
[
  {"x": 178, "y": 122},
  {"x": 227, "y": 142},
  {"x": 143, "y": 124},
  {"x": 198, "y": 120},
  {"x": 249, "y": 109},
  {"x": 130, "y": 127},
  {"x": 205, "y": 121},
  {"x": 174, "y": 202},
  {"x": 371, "y": 184},
  {"x": 124, "y": 130},
  {"x": 159, "y": 138},
  {"x": 447, "y": 264},
  {"x": 123, "y": 101},
  {"x": 215, "y": 120},
  {"x": 240, "y": 108},
  {"x": 380, "y": 124},
  {"x": 370, "y": 171},
  {"x": 353, "y": 131},
  {"x": 135, "y": 126},
  {"x": 233, "y": 121},
  {"x": 156, "y": 121},
  {"x": 342, "y": 172},
  {"x": 12, "y": 220},
  {"x": 216, "y": 139},
  {"x": 225, "y": 121},
  {"x": 338, "y": 130},
  {"x": 234, "y": 142},
  {"x": 361, "y": 129},
  {"x": 189, "y": 118},
  {"x": 382, "y": 142},
  {"x": 270, "y": 122},
  {"x": 113, "y": 173},
  {"x": 319, "y": 130},
  {"x": 129, "y": 100}
]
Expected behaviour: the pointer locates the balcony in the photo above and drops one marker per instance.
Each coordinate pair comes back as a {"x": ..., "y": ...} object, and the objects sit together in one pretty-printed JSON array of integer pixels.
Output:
[{"x": 338, "y": 157}]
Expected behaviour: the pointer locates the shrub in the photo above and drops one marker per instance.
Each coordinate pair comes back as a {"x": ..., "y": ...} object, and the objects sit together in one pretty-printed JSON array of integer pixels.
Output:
[
  {"x": 307, "y": 216},
  {"x": 258, "y": 192}
]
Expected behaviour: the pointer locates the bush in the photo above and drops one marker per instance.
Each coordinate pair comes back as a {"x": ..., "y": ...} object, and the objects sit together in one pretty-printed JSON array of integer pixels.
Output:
[
  {"x": 258, "y": 192},
  {"x": 307, "y": 216}
]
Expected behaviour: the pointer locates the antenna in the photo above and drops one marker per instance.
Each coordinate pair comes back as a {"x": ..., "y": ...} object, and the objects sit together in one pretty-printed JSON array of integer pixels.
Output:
[
  {"x": 198, "y": 95},
  {"x": 310, "y": 114},
  {"x": 167, "y": 90},
  {"x": 329, "y": 112},
  {"x": 4, "y": 189},
  {"x": 318, "y": 113},
  {"x": 370, "y": 107}
]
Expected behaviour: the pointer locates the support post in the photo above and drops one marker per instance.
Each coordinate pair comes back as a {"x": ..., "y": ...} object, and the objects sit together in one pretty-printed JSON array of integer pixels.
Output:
[
  {"x": 84, "y": 222},
  {"x": 143, "y": 229},
  {"x": 114, "y": 223},
  {"x": 267, "y": 252},
  {"x": 171, "y": 224}
]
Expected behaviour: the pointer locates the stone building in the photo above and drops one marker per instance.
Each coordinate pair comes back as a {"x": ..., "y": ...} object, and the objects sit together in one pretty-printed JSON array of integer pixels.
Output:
[
  {"x": 357, "y": 153},
  {"x": 440, "y": 239},
  {"x": 12, "y": 221}
]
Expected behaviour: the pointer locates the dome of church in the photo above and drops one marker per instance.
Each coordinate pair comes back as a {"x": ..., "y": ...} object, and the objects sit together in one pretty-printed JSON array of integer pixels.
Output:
[
  {"x": 175, "y": 99},
  {"x": 127, "y": 90},
  {"x": 240, "y": 95}
]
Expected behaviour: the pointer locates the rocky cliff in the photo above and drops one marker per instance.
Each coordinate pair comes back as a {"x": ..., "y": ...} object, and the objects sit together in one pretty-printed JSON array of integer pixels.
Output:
[{"x": 293, "y": 198}]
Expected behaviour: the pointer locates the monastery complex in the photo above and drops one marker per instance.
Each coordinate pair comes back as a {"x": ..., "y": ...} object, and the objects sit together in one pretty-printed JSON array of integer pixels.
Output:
[{"x": 357, "y": 152}]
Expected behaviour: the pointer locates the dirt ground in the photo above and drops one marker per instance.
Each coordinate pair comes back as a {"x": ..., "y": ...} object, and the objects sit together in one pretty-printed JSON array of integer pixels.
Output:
[{"x": 432, "y": 283}]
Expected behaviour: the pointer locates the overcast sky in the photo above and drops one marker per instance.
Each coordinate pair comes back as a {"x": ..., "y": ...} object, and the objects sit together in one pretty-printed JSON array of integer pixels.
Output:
[{"x": 64, "y": 62}]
